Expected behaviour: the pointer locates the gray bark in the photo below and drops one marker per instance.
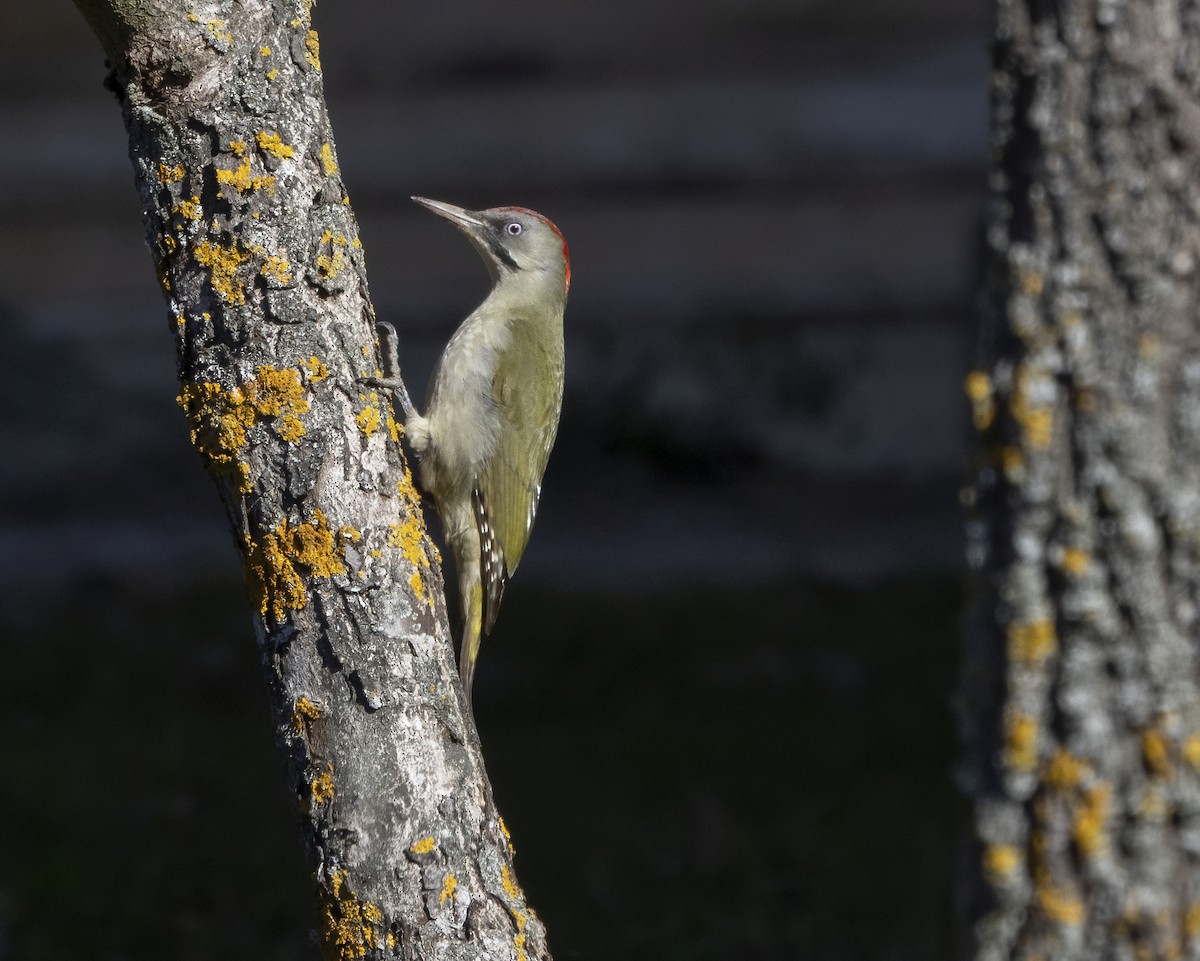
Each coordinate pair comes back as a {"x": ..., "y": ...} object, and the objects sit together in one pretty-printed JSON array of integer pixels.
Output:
[
  {"x": 1080, "y": 709},
  {"x": 258, "y": 254}
]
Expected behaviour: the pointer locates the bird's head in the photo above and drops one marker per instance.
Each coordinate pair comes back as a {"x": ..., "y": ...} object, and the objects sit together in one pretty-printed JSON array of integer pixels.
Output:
[{"x": 511, "y": 240}]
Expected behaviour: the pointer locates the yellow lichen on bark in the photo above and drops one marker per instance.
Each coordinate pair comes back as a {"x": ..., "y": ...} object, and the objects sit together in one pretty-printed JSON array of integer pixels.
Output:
[
  {"x": 277, "y": 561},
  {"x": 312, "y": 45},
  {"x": 315, "y": 368},
  {"x": 1064, "y": 771},
  {"x": 1091, "y": 817},
  {"x": 330, "y": 264},
  {"x": 1032, "y": 642},
  {"x": 328, "y": 164},
  {"x": 189, "y": 209},
  {"x": 1020, "y": 747},
  {"x": 240, "y": 179},
  {"x": 351, "y": 926},
  {"x": 220, "y": 418},
  {"x": 170, "y": 175},
  {"x": 1036, "y": 420},
  {"x": 1191, "y": 920},
  {"x": 448, "y": 887},
  {"x": 1075, "y": 561},
  {"x": 978, "y": 386},
  {"x": 368, "y": 420},
  {"x": 423, "y": 846},
  {"x": 303, "y": 711},
  {"x": 321, "y": 787},
  {"x": 1191, "y": 750},
  {"x": 273, "y": 144},
  {"x": 1156, "y": 753},
  {"x": 224, "y": 262},
  {"x": 1059, "y": 905},
  {"x": 521, "y": 918},
  {"x": 408, "y": 537},
  {"x": 1000, "y": 861},
  {"x": 277, "y": 269}
]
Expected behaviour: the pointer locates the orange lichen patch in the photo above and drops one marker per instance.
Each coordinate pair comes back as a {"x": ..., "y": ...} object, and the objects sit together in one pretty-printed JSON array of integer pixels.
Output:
[
  {"x": 1032, "y": 642},
  {"x": 303, "y": 711},
  {"x": 272, "y": 143},
  {"x": 276, "y": 269},
  {"x": 330, "y": 264},
  {"x": 1064, "y": 771},
  {"x": 316, "y": 369},
  {"x": 1191, "y": 750},
  {"x": 312, "y": 54},
  {"x": 1156, "y": 753},
  {"x": 170, "y": 175},
  {"x": 1059, "y": 905},
  {"x": 448, "y": 887},
  {"x": 223, "y": 262},
  {"x": 272, "y": 73},
  {"x": 239, "y": 178},
  {"x": 1000, "y": 861},
  {"x": 368, "y": 420},
  {"x": 1091, "y": 816},
  {"x": 328, "y": 164},
  {"x": 276, "y": 561},
  {"x": 1020, "y": 746},
  {"x": 264, "y": 51},
  {"x": 423, "y": 846},
  {"x": 978, "y": 386},
  {"x": 352, "y": 927},
  {"x": 395, "y": 428},
  {"x": 1075, "y": 561}
]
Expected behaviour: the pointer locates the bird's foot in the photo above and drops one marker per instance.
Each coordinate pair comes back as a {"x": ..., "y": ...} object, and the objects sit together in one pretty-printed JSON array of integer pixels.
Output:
[{"x": 391, "y": 380}]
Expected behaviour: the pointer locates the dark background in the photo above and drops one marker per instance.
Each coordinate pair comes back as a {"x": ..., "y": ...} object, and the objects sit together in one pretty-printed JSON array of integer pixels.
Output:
[{"x": 717, "y": 707}]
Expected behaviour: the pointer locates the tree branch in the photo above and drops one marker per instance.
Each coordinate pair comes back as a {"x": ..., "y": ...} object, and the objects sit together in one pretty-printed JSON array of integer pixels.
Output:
[{"x": 257, "y": 252}]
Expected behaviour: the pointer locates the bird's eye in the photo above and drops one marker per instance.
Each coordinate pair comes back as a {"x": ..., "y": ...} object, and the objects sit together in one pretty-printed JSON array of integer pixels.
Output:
[{"x": 514, "y": 228}]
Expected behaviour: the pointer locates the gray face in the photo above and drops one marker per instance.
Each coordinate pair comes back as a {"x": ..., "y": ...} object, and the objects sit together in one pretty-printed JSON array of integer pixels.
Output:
[{"x": 520, "y": 239}]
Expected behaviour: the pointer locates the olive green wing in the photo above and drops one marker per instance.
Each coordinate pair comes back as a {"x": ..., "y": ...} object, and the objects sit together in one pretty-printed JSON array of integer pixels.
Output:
[{"x": 527, "y": 389}]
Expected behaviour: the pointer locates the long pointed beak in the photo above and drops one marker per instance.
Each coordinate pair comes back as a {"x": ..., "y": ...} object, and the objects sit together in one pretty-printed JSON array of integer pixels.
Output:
[{"x": 463, "y": 219}]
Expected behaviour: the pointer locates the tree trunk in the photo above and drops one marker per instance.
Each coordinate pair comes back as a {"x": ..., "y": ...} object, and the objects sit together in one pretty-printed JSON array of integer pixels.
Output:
[
  {"x": 258, "y": 254},
  {"x": 1080, "y": 711}
]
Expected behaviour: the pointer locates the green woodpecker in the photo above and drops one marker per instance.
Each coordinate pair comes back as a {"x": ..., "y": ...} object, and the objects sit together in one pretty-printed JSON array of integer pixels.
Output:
[{"x": 493, "y": 407}]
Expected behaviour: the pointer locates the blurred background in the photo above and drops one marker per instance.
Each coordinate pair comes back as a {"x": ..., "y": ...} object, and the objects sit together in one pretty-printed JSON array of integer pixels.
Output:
[{"x": 717, "y": 709}]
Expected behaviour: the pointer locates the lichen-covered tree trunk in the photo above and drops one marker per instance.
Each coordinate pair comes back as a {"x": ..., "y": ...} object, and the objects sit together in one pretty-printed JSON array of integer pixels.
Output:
[
  {"x": 258, "y": 254},
  {"x": 1080, "y": 704}
]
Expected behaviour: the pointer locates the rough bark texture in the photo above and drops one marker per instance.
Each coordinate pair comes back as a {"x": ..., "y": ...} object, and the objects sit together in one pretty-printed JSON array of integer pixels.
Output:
[
  {"x": 258, "y": 253},
  {"x": 1080, "y": 708}
]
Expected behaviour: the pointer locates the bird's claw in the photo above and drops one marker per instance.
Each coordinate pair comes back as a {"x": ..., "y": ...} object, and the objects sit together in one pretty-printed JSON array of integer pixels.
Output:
[{"x": 391, "y": 365}]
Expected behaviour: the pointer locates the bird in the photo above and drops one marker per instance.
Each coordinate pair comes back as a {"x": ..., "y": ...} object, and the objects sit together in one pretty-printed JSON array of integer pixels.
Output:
[{"x": 492, "y": 409}]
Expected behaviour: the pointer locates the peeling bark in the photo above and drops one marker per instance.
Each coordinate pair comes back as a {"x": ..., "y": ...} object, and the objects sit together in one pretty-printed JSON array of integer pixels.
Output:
[
  {"x": 258, "y": 254},
  {"x": 1080, "y": 707}
]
